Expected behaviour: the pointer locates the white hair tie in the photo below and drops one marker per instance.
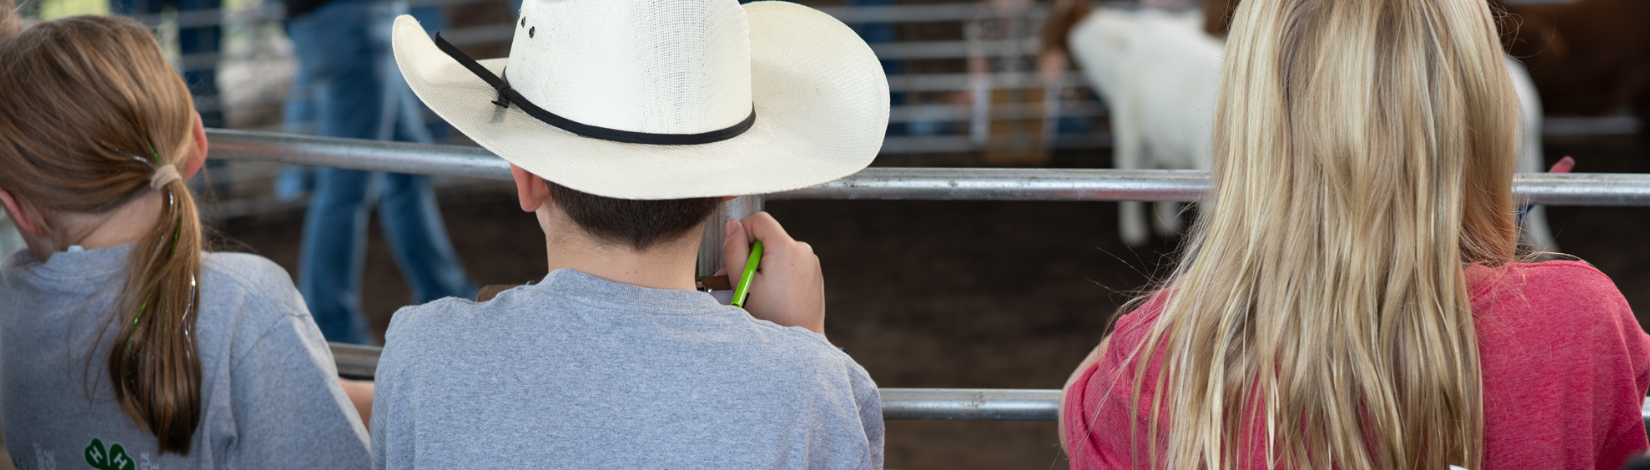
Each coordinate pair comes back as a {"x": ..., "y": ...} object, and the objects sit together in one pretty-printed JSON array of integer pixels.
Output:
[{"x": 163, "y": 176}]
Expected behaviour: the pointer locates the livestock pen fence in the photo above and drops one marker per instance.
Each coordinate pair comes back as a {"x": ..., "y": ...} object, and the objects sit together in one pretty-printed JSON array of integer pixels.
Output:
[
  {"x": 1579, "y": 189},
  {"x": 947, "y": 108}
]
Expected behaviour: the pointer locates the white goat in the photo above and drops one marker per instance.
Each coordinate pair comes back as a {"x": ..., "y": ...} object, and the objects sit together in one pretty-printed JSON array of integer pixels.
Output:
[{"x": 1158, "y": 72}]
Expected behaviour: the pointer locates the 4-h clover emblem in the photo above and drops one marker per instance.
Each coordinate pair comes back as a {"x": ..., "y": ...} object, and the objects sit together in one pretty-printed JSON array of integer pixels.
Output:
[{"x": 114, "y": 458}]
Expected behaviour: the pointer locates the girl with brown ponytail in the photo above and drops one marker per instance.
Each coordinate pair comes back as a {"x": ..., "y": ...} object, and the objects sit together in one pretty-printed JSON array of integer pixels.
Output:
[{"x": 121, "y": 343}]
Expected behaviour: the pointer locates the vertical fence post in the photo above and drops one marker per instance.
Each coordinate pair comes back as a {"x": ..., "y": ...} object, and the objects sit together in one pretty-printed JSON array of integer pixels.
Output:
[{"x": 710, "y": 250}]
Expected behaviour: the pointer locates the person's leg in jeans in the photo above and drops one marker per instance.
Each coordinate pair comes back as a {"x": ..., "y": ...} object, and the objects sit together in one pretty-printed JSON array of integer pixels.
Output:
[
  {"x": 334, "y": 44},
  {"x": 354, "y": 97},
  {"x": 333, "y": 253},
  {"x": 407, "y": 208},
  {"x": 202, "y": 42},
  {"x": 412, "y": 222},
  {"x": 297, "y": 117}
]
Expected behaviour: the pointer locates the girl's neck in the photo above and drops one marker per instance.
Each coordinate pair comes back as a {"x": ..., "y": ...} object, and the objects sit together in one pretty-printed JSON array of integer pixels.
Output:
[{"x": 127, "y": 223}]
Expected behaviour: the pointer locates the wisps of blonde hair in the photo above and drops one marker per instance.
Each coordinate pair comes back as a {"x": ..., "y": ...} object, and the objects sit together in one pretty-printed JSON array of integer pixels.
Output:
[{"x": 1364, "y": 156}]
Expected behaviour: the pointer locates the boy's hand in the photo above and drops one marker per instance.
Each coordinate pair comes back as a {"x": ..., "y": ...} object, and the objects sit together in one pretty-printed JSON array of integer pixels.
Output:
[{"x": 788, "y": 287}]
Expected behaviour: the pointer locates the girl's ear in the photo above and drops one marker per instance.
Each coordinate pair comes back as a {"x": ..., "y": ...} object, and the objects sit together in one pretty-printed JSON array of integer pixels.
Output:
[
  {"x": 197, "y": 151},
  {"x": 24, "y": 220}
]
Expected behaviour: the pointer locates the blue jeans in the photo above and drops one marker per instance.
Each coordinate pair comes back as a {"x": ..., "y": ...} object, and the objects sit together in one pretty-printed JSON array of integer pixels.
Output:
[
  {"x": 356, "y": 91},
  {"x": 193, "y": 41}
]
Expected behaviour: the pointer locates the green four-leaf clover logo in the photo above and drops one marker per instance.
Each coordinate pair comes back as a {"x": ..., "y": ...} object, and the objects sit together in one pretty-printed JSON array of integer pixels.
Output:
[{"x": 114, "y": 458}]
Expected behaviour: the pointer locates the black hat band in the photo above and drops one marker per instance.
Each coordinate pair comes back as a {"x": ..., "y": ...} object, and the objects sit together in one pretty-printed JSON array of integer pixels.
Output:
[{"x": 508, "y": 96}]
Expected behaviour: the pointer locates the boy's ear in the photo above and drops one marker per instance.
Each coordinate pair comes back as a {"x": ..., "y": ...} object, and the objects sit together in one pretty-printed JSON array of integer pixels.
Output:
[
  {"x": 23, "y": 220},
  {"x": 531, "y": 190},
  {"x": 197, "y": 153}
]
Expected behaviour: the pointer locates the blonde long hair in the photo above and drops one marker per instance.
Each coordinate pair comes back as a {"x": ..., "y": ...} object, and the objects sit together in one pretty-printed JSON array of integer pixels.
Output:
[{"x": 1364, "y": 156}]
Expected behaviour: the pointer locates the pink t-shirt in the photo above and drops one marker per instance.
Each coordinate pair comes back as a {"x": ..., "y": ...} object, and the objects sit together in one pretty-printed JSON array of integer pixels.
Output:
[{"x": 1565, "y": 369}]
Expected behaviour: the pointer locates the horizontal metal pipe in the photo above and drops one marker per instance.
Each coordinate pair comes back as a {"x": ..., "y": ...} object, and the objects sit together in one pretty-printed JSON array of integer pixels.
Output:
[
  {"x": 357, "y": 154},
  {"x": 963, "y": 81},
  {"x": 1004, "y": 184},
  {"x": 361, "y": 363},
  {"x": 355, "y": 361},
  {"x": 953, "y": 112},
  {"x": 970, "y": 404},
  {"x": 1575, "y": 189},
  {"x": 963, "y": 143},
  {"x": 955, "y": 49}
]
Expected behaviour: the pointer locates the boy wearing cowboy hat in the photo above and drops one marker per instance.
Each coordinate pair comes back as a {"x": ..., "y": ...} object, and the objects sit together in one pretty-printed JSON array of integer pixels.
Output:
[{"x": 626, "y": 122}]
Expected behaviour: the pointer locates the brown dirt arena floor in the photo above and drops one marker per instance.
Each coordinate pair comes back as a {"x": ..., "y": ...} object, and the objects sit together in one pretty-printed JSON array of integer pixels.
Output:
[{"x": 960, "y": 294}]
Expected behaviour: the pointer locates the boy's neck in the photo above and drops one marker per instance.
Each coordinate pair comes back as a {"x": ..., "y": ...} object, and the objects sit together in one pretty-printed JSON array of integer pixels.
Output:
[{"x": 666, "y": 265}]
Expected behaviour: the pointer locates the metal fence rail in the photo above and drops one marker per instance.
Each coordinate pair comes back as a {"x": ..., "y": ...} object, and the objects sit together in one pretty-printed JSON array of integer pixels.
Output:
[
  {"x": 969, "y": 404},
  {"x": 1575, "y": 189}
]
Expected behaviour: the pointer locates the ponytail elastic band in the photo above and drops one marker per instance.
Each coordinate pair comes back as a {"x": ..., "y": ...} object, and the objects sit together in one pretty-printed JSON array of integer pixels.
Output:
[{"x": 163, "y": 176}]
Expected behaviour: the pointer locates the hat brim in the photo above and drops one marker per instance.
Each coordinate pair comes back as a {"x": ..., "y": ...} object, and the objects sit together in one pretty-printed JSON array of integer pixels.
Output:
[{"x": 820, "y": 96}]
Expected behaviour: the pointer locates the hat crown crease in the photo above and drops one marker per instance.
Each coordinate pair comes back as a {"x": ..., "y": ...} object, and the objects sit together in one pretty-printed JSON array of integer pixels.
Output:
[{"x": 653, "y": 66}]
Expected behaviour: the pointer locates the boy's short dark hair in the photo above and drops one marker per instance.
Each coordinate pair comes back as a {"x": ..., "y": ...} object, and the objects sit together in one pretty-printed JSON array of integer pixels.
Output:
[{"x": 634, "y": 223}]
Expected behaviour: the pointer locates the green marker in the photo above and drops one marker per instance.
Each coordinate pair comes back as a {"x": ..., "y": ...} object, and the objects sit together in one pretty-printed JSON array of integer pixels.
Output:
[{"x": 744, "y": 288}]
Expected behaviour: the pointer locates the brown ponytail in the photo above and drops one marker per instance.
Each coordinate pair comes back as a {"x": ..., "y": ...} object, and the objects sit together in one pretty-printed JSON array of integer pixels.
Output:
[{"x": 92, "y": 112}]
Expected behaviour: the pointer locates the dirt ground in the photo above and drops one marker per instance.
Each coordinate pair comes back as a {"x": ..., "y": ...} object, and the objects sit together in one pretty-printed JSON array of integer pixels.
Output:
[{"x": 960, "y": 294}]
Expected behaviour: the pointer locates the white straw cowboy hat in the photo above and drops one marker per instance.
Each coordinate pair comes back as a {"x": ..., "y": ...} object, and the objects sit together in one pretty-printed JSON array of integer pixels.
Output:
[{"x": 663, "y": 99}]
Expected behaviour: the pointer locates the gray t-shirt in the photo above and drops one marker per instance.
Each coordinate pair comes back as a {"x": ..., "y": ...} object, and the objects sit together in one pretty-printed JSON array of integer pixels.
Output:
[
  {"x": 269, "y": 389},
  {"x": 581, "y": 372}
]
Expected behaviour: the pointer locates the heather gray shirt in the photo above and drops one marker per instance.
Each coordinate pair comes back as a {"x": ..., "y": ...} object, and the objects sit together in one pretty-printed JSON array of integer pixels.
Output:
[
  {"x": 269, "y": 391},
  {"x": 580, "y": 372}
]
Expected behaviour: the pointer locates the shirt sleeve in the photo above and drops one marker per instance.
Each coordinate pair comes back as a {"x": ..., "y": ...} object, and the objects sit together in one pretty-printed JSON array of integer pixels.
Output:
[
  {"x": 1623, "y": 340},
  {"x": 393, "y": 423},
  {"x": 1080, "y": 448},
  {"x": 381, "y": 396},
  {"x": 391, "y": 426},
  {"x": 869, "y": 401},
  {"x": 290, "y": 410},
  {"x": 1103, "y": 425}
]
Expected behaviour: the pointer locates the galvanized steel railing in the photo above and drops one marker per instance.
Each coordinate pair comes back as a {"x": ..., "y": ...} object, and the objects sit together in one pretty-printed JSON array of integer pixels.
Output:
[
  {"x": 360, "y": 362},
  {"x": 874, "y": 183},
  {"x": 1574, "y": 189}
]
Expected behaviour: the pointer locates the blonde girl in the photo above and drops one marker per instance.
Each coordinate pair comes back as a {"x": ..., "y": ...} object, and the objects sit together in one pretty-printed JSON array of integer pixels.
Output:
[
  {"x": 122, "y": 344},
  {"x": 1351, "y": 296}
]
